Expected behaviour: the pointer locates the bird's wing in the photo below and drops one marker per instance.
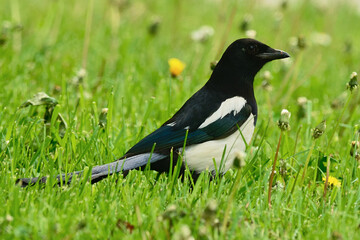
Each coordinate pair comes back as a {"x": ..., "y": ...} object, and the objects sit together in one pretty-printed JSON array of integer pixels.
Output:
[{"x": 168, "y": 136}]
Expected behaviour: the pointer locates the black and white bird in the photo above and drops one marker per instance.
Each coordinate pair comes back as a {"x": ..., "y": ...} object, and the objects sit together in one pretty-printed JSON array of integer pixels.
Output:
[{"x": 217, "y": 119}]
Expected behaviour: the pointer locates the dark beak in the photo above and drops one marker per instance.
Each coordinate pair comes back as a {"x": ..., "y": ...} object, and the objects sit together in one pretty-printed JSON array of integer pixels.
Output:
[{"x": 272, "y": 54}]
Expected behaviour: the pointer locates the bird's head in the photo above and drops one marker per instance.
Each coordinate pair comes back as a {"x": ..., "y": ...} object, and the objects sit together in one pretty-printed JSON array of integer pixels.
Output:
[{"x": 250, "y": 55}]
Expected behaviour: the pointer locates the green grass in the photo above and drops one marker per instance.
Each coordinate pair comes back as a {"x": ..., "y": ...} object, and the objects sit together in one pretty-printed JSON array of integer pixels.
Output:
[{"x": 127, "y": 72}]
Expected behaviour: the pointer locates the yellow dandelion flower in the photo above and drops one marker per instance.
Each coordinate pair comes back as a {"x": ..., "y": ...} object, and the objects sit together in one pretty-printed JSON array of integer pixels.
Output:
[
  {"x": 176, "y": 66},
  {"x": 333, "y": 181}
]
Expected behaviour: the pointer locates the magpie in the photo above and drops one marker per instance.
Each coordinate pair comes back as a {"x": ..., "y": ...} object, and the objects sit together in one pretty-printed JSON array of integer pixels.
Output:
[{"x": 209, "y": 129}]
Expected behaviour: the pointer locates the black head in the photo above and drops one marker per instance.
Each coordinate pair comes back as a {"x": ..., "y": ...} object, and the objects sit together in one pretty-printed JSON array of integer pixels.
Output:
[
  {"x": 250, "y": 55},
  {"x": 234, "y": 74}
]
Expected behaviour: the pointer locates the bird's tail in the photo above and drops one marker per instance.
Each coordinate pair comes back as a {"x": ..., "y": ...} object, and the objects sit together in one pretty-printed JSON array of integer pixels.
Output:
[{"x": 100, "y": 172}]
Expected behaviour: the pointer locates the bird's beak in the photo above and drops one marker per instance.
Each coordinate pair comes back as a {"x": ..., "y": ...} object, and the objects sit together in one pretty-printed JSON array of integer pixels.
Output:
[{"x": 272, "y": 54}]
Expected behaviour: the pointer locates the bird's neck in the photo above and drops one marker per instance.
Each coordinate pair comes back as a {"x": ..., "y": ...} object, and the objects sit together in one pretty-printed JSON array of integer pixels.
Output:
[{"x": 232, "y": 81}]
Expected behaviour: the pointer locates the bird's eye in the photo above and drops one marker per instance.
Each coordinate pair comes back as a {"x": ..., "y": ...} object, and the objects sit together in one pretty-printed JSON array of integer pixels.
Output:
[{"x": 252, "y": 50}]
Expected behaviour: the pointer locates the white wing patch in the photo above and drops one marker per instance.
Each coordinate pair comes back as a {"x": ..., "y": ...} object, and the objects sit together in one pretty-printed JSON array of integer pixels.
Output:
[
  {"x": 234, "y": 104},
  {"x": 171, "y": 124}
]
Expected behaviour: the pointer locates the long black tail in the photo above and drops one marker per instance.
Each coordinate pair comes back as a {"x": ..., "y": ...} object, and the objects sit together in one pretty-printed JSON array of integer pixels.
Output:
[{"x": 100, "y": 172}]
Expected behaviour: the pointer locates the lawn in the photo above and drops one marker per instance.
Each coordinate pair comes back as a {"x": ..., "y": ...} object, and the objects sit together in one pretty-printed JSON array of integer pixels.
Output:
[{"x": 88, "y": 55}]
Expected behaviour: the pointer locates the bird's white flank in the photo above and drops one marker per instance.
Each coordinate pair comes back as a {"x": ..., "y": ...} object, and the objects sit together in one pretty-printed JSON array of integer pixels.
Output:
[
  {"x": 234, "y": 105},
  {"x": 200, "y": 157}
]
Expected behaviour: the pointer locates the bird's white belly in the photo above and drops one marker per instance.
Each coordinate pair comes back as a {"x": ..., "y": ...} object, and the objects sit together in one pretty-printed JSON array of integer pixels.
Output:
[{"x": 200, "y": 157}]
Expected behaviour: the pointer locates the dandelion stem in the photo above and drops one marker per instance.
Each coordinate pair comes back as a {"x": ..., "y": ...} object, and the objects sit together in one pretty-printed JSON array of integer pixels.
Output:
[
  {"x": 273, "y": 170},
  {"x": 268, "y": 101},
  {"x": 338, "y": 122},
  {"x": 327, "y": 176},
  {"x": 295, "y": 145},
  {"x": 328, "y": 145},
  {"x": 307, "y": 162},
  {"x": 291, "y": 85},
  {"x": 289, "y": 78},
  {"x": 316, "y": 169},
  {"x": 294, "y": 184},
  {"x": 352, "y": 108}
]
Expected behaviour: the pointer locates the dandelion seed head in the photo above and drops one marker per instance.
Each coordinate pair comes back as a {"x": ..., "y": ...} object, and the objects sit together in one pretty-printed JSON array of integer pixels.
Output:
[
  {"x": 202, "y": 34},
  {"x": 319, "y": 130},
  {"x": 250, "y": 33}
]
